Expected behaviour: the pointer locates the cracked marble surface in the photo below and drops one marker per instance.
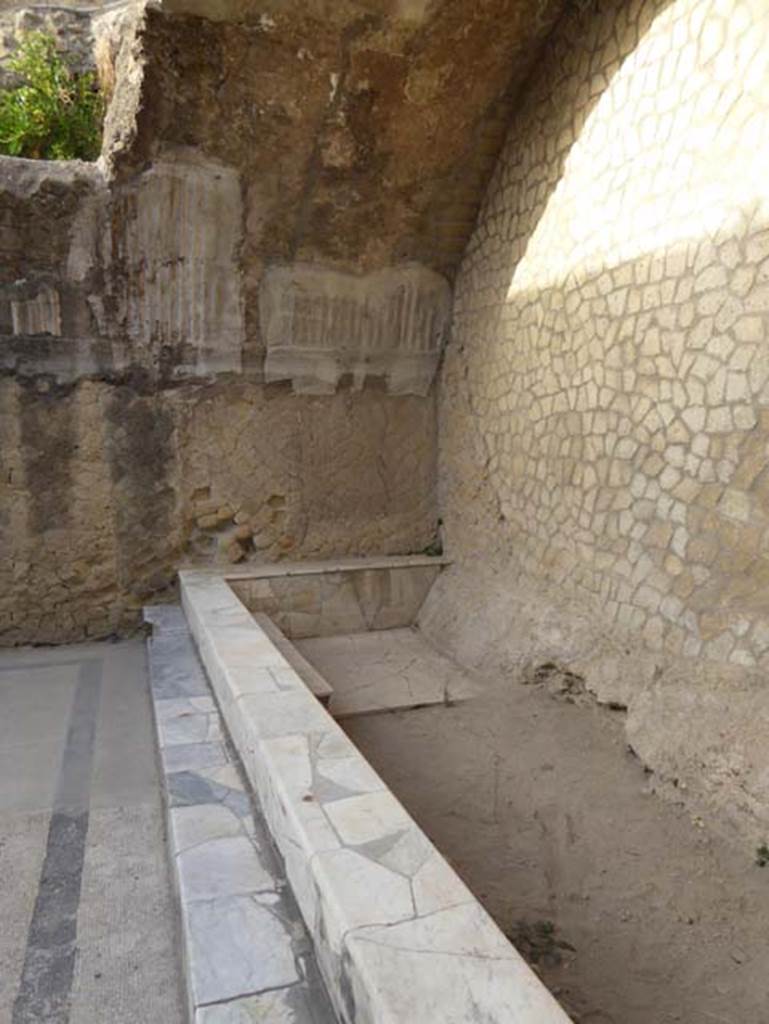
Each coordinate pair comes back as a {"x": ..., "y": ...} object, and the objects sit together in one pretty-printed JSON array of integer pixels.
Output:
[
  {"x": 385, "y": 670},
  {"x": 247, "y": 954},
  {"x": 397, "y": 935},
  {"x": 283, "y": 1006}
]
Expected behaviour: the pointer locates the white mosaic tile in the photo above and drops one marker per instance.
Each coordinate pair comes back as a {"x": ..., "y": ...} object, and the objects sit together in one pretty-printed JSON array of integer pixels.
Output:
[
  {"x": 363, "y": 819},
  {"x": 355, "y": 891},
  {"x": 454, "y": 967},
  {"x": 246, "y": 951},
  {"x": 286, "y": 1006},
  {"x": 181, "y": 757},
  {"x": 194, "y": 825},
  {"x": 190, "y": 727}
]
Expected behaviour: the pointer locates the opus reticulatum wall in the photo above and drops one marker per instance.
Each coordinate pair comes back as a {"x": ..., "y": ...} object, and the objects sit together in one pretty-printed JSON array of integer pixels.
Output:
[
  {"x": 610, "y": 361},
  {"x": 604, "y": 402}
]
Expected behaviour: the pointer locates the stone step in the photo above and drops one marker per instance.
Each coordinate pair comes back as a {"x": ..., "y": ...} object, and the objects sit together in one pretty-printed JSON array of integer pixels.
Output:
[{"x": 246, "y": 953}]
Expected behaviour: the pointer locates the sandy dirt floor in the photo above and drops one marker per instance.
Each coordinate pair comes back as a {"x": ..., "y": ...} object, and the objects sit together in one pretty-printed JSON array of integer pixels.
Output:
[{"x": 632, "y": 909}]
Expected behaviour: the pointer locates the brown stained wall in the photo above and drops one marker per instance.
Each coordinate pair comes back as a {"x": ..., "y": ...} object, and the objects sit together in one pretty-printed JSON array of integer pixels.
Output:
[
  {"x": 363, "y": 138},
  {"x": 137, "y": 430},
  {"x": 125, "y": 454},
  {"x": 106, "y": 488}
]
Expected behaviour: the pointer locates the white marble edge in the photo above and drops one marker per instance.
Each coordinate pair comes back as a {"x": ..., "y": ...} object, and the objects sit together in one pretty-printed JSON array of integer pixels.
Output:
[
  {"x": 271, "y": 570},
  {"x": 316, "y": 682},
  {"x": 396, "y": 931}
]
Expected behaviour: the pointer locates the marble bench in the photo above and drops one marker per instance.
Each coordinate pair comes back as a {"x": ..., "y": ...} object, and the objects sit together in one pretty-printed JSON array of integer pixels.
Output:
[{"x": 397, "y": 935}]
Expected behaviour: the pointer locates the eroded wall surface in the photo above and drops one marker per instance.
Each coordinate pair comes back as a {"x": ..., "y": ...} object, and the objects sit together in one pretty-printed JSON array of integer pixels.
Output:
[
  {"x": 219, "y": 343},
  {"x": 604, "y": 416},
  {"x": 108, "y": 487},
  {"x": 362, "y": 135}
]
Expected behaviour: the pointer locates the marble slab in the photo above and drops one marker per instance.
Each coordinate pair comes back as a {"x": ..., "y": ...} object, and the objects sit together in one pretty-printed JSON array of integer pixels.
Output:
[
  {"x": 310, "y": 567},
  {"x": 345, "y": 598},
  {"x": 397, "y": 935},
  {"x": 385, "y": 670},
  {"x": 246, "y": 950}
]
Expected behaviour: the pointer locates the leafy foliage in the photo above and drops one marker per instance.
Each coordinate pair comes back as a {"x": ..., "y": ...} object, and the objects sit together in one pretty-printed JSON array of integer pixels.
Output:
[{"x": 54, "y": 113}]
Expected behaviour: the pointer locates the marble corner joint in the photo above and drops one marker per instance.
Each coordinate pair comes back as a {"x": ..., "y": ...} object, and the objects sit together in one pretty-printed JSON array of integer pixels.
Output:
[
  {"x": 397, "y": 935},
  {"x": 320, "y": 325},
  {"x": 246, "y": 953}
]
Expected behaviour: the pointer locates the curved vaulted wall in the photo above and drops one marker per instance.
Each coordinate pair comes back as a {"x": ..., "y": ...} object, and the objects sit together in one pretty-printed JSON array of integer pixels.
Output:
[{"x": 604, "y": 404}]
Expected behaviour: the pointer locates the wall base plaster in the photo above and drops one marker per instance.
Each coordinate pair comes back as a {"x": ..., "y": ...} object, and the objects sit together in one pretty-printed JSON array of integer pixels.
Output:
[
  {"x": 701, "y": 729},
  {"x": 106, "y": 488}
]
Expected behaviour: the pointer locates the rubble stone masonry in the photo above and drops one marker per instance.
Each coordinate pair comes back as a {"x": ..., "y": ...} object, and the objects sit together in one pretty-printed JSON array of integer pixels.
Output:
[{"x": 605, "y": 400}]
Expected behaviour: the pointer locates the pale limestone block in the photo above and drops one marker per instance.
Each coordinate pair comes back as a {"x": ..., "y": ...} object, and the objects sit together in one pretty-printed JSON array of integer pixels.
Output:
[
  {"x": 355, "y": 891},
  {"x": 720, "y": 420},
  {"x": 319, "y": 324},
  {"x": 745, "y": 417},
  {"x": 486, "y": 980},
  {"x": 369, "y": 817},
  {"x": 221, "y": 935},
  {"x": 735, "y": 504}
]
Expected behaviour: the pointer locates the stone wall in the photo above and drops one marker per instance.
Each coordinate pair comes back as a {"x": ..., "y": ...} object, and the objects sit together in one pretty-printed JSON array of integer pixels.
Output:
[
  {"x": 71, "y": 27},
  {"x": 219, "y": 342},
  {"x": 362, "y": 136},
  {"x": 604, "y": 412},
  {"x": 132, "y": 438},
  {"x": 107, "y": 487}
]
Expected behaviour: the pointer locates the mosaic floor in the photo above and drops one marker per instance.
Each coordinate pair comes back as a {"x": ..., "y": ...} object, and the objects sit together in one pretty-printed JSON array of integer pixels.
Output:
[{"x": 86, "y": 902}]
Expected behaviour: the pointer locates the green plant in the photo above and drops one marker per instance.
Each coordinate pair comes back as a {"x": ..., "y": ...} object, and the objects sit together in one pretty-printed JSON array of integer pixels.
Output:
[
  {"x": 762, "y": 855},
  {"x": 55, "y": 113}
]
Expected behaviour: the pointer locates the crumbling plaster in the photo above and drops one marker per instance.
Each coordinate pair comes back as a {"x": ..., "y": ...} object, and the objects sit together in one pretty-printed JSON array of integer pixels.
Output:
[
  {"x": 603, "y": 413},
  {"x": 344, "y": 147},
  {"x": 108, "y": 487}
]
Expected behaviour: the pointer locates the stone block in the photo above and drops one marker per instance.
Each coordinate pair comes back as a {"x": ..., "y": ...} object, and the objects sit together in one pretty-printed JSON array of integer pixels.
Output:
[{"x": 320, "y": 325}]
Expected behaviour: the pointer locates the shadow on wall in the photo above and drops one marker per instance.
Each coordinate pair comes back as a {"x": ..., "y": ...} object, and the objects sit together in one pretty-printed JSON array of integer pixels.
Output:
[{"x": 605, "y": 421}]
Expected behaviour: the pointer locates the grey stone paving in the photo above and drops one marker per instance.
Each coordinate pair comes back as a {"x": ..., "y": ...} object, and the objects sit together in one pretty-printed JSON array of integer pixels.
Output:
[
  {"x": 248, "y": 955},
  {"x": 86, "y": 903}
]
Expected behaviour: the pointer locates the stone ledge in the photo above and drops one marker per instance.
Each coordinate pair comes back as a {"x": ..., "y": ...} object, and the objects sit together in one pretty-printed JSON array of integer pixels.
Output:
[
  {"x": 316, "y": 568},
  {"x": 397, "y": 935},
  {"x": 309, "y": 675},
  {"x": 339, "y": 597}
]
